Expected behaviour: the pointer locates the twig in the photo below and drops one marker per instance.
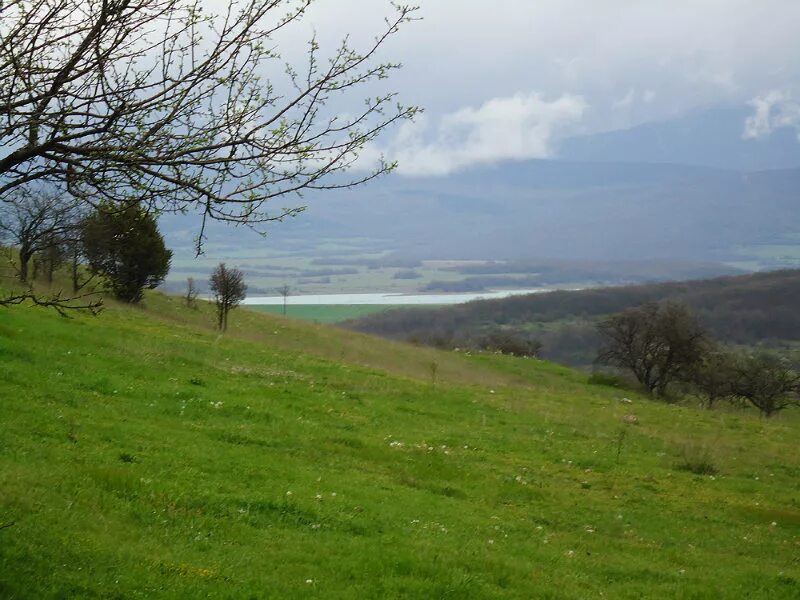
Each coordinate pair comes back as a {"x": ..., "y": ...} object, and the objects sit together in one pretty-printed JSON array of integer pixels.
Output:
[{"x": 57, "y": 302}]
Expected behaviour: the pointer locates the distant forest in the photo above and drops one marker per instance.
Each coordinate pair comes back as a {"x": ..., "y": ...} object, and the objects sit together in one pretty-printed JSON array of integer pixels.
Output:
[{"x": 760, "y": 308}]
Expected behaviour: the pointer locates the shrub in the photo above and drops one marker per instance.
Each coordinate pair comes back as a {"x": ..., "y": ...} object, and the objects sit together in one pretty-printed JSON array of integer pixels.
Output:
[
  {"x": 609, "y": 379},
  {"x": 123, "y": 244},
  {"x": 509, "y": 342},
  {"x": 697, "y": 460},
  {"x": 407, "y": 274}
]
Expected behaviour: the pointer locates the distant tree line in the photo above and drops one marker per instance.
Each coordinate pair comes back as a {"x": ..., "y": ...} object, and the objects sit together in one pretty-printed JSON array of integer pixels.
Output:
[
  {"x": 748, "y": 309},
  {"x": 665, "y": 348},
  {"x": 117, "y": 247},
  {"x": 560, "y": 271},
  {"x": 483, "y": 283},
  {"x": 386, "y": 262},
  {"x": 501, "y": 341}
]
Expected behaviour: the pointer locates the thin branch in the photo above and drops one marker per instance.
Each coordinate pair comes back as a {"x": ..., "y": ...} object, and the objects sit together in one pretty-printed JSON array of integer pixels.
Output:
[{"x": 63, "y": 305}]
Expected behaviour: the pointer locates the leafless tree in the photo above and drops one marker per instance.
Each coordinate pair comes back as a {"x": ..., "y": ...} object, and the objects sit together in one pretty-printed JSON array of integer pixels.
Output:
[
  {"x": 285, "y": 291},
  {"x": 191, "y": 292},
  {"x": 713, "y": 376},
  {"x": 53, "y": 258},
  {"x": 767, "y": 382},
  {"x": 35, "y": 221},
  {"x": 657, "y": 343},
  {"x": 229, "y": 290},
  {"x": 62, "y": 304},
  {"x": 41, "y": 222},
  {"x": 183, "y": 109},
  {"x": 79, "y": 276}
]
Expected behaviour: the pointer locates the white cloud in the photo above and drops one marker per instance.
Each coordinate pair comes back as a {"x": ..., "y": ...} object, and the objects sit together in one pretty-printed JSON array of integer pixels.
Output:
[
  {"x": 626, "y": 101},
  {"x": 677, "y": 56},
  {"x": 632, "y": 98},
  {"x": 632, "y": 62},
  {"x": 516, "y": 127},
  {"x": 771, "y": 111}
]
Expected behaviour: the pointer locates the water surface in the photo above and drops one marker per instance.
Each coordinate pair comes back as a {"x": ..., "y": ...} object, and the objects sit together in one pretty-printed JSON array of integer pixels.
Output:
[{"x": 388, "y": 298}]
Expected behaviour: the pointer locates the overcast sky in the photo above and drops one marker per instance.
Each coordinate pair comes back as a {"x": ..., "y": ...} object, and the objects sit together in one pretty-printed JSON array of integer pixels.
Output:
[{"x": 505, "y": 79}]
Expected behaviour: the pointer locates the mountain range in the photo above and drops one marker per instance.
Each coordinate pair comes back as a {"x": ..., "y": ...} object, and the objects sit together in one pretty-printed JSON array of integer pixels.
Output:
[{"x": 690, "y": 189}]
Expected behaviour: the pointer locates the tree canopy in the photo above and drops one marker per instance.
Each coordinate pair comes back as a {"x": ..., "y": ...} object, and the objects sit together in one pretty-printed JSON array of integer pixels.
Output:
[
  {"x": 229, "y": 290},
  {"x": 126, "y": 247},
  {"x": 658, "y": 343}
]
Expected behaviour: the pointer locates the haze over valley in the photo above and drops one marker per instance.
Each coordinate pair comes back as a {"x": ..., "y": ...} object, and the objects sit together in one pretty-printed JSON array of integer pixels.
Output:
[{"x": 601, "y": 219}]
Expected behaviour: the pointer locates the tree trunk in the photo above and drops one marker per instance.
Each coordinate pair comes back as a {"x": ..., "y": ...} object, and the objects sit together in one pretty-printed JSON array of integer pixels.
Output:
[
  {"x": 24, "y": 260},
  {"x": 221, "y": 316},
  {"x": 75, "y": 286}
]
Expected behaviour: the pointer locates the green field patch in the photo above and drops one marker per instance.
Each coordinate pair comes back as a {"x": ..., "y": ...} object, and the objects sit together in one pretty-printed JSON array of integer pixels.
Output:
[{"x": 327, "y": 313}]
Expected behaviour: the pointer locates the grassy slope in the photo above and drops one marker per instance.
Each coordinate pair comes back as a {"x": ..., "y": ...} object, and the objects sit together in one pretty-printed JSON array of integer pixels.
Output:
[
  {"x": 323, "y": 313},
  {"x": 332, "y": 313},
  {"x": 142, "y": 455}
]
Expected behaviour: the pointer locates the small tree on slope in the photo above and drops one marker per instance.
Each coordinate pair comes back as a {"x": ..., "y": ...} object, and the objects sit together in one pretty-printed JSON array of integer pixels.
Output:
[
  {"x": 229, "y": 290},
  {"x": 767, "y": 382},
  {"x": 123, "y": 244},
  {"x": 35, "y": 221},
  {"x": 659, "y": 344}
]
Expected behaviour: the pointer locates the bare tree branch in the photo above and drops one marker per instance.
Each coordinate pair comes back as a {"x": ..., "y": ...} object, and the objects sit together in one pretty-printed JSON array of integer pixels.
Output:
[
  {"x": 36, "y": 221},
  {"x": 62, "y": 304},
  {"x": 164, "y": 103}
]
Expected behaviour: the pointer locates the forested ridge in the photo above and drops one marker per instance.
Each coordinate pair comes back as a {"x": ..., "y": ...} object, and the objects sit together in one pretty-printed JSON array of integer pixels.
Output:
[{"x": 742, "y": 309}]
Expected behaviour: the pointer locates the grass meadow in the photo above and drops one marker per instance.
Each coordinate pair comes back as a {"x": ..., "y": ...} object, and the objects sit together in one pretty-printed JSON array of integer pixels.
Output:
[
  {"x": 323, "y": 313},
  {"x": 143, "y": 455}
]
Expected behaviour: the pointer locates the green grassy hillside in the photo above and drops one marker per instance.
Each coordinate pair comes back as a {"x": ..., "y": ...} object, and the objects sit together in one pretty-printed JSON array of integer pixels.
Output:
[
  {"x": 144, "y": 456},
  {"x": 323, "y": 313}
]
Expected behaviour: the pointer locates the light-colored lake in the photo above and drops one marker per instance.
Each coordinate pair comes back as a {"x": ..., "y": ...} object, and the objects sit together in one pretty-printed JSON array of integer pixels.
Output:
[{"x": 389, "y": 298}]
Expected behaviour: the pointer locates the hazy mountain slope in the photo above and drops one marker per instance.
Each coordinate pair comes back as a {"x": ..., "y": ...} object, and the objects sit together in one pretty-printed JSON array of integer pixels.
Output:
[
  {"x": 712, "y": 138},
  {"x": 550, "y": 209}
]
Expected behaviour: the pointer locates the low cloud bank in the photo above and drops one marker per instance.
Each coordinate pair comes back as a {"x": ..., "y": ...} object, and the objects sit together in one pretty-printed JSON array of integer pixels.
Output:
[
  {"x": 517, "y": 127},
  {"x": 774, "y": 110}
]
